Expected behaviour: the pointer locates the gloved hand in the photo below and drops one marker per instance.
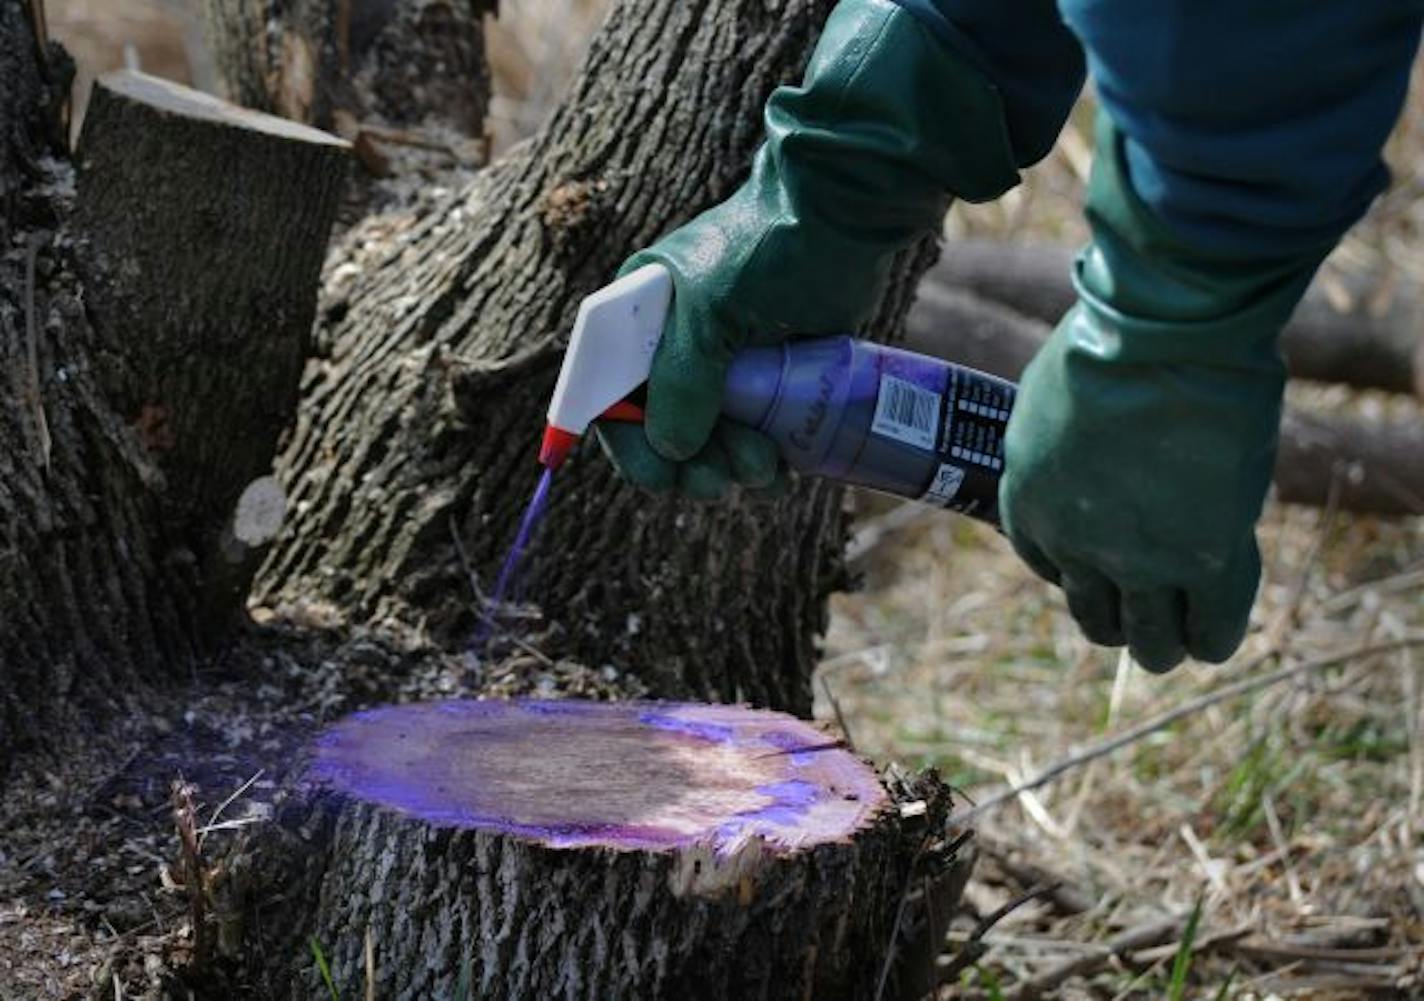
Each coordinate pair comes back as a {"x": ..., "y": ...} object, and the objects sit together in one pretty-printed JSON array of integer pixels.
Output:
[
  {"x": 1143, "y": 438},
  {"x": 859, "y": 161}
]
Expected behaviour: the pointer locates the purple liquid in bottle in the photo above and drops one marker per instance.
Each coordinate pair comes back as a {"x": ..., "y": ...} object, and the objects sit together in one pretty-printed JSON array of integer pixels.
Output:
[{"x": 879, "y": 417}]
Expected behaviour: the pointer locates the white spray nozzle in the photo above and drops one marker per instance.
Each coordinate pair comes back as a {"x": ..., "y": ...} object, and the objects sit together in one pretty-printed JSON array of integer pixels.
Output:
[{"x": 611, "y": 348}]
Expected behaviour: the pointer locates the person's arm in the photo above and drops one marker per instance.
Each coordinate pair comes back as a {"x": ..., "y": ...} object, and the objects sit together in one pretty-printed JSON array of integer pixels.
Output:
[
  {"x": 1238, "y": 141},
  {"x": 893, "y": 119}
]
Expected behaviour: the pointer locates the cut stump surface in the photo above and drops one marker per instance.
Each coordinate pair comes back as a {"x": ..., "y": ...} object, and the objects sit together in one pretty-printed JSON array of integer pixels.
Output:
[
  {"x": 579, "y": 850},
  {"x": 617, "y": 775}
]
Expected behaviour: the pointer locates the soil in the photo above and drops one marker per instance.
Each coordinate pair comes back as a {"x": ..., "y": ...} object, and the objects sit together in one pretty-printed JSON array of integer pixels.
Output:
[{"x": 91, "y": 896}]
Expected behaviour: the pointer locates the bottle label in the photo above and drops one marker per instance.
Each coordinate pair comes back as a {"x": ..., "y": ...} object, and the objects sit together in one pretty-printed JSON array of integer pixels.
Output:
[
  {"x": 906, "y": 412},
  {"x": 957, "y": 414},
  {"x": 971, "y": 442}
]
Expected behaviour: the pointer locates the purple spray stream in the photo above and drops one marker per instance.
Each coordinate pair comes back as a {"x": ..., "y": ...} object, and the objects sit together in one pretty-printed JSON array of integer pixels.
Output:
[{"x": 508, "y": 573}]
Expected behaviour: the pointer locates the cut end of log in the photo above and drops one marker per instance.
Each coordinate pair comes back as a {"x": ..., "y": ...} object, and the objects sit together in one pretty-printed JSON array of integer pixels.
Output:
[
  {"x": 623, "y": 776},
  {"x": 156, "y": 92}
]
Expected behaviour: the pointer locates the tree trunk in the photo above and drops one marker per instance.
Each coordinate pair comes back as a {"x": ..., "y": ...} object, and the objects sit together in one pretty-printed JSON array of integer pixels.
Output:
[
  {"x": 420, "y": 422},
  {"x": 573, "y": 850},
  {"x": 165, "y": 172},
  {"x": 1322, "y": 342},
  {"x": 117, "y": 355},
  {"x": 1364, "y": 466},
  {"x": 405, "y": 80}
]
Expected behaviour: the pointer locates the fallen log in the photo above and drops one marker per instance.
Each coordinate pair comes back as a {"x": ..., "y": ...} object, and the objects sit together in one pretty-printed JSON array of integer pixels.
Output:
[
  {"x": 635, "y": 850},
  {"x": 1376, "y": 468},
  {"x": 1322, "y": 342}
]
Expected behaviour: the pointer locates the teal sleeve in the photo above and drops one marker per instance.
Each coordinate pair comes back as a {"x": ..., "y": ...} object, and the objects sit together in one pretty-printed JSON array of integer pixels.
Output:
[{"x": 1028, "y": 53}]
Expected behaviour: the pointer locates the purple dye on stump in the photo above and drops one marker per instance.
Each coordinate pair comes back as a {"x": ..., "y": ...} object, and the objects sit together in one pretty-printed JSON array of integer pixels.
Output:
[
  {"x": 508, "y": 573},
  {"x": 627, "y": 775}
]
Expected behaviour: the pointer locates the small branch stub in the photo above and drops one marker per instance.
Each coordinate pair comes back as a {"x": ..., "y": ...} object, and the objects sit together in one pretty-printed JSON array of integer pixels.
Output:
[{"x": 259, "y": 512}]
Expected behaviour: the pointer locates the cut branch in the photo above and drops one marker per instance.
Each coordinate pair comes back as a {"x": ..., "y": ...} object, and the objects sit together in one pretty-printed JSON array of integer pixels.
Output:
[
  {"x": 609, "y": 850},
  {"x": 1322, "y": 342}
]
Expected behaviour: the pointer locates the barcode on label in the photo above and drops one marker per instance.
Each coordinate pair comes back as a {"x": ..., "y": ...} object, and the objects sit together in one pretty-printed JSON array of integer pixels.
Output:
[{"x": 906, "y": 412}]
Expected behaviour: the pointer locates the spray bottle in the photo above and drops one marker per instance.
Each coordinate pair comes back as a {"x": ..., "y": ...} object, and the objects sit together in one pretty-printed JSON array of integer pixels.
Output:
[{"x": 879, "y": 417}]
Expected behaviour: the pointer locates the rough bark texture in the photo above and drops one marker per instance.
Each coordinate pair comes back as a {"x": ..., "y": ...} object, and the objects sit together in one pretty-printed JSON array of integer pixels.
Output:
[
  {"x": 422, "y": 418},
  {"x": 1356, "y": 346},
  {"x": 99, "y": 581},
  {"x": 1372, "y": 467},
  {"x": 78, "y": 563},
  {"x": 208, "y": 225},
  {"x": 528, "y": 922},
  {"x": 344, "y": 64}
]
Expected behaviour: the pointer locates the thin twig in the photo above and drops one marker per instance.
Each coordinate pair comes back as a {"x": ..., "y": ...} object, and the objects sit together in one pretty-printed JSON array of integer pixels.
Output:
[
  {"x": 402, "y": 137},
  {"x": 893, "y": 945},
  {"x": 467, "y": 563},
  {"x": 1218, "y": 941},
  {"x": 32, "y": 337},
  {"x": 185, "y": 814},
  {"x": 825, "y": 682},
  {"x": 1345, "y": 600},
  {"x": 1163, "y": 720},
  {"x": 212, "y": 820},
  {"x": 1273, "y": 824},
  {"x": 370, "y": 966},
  {"x": 974, "y": 947},
  {"x": 1289, "y": 618},
  {"x": 830, "y": 745},
  {"x": 1086, "y": 965},
  {"x": 39, "y": 27}
]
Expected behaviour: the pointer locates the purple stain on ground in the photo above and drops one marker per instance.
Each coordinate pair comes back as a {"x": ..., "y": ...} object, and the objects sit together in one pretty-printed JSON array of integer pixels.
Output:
[
  {"x": 714, "y": 732},
  {"x": 509, "y": 572}
]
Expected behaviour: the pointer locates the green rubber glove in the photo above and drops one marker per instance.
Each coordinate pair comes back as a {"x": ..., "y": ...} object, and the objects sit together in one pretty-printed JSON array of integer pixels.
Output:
[
  {"x": 859, "y": 161},
  {"x": 1143, "y": 438}
]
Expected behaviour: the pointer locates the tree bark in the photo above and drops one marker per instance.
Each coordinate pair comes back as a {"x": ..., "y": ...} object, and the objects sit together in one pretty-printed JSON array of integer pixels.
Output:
[
  {"x": 208, "y": 226},
  {"x": 579, "y": 850},
  {"x": 405, "y": 80},
  {"x": 1321, "y": 342},
  {"x": 422, "y": 417},
  {"x": 104, "y": 536},
  {"x": 1369, "y": 467}
]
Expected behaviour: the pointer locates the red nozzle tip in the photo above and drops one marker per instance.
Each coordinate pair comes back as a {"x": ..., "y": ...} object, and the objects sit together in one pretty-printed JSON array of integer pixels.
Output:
[{"x": 556, "y": 446}]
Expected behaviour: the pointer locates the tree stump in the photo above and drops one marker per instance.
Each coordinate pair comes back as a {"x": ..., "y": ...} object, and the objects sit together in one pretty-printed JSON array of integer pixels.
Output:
[
  {"x": 584, "y": 850},
  {"x": 206, "y": 225},
  {"x": 154, "y": 318}
]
